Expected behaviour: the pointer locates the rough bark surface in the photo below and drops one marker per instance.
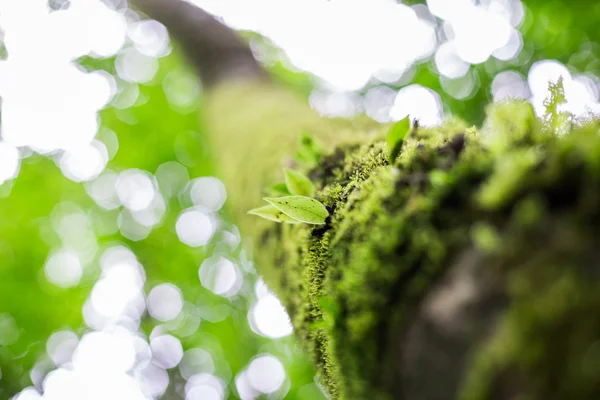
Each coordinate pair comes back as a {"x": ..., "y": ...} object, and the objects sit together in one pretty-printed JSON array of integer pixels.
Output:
[{"x": 466, "y": 268}]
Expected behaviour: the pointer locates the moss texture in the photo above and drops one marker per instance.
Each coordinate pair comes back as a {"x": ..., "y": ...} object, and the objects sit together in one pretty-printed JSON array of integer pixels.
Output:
[{"x": 523, "y": 198}]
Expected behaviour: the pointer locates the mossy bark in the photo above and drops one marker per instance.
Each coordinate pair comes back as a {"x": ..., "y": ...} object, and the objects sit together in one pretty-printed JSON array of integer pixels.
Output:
[{"x": 467, "y": 268}]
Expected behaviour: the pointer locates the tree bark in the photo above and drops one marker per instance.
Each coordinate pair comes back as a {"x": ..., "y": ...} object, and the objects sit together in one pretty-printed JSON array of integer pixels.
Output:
[
  {"x": 466, "y": 268},
  {"x": 215, "y": 50}
]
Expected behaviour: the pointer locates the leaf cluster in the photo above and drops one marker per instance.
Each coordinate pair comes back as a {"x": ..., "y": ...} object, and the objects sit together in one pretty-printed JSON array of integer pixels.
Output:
[{"x": 297, "y": 204}]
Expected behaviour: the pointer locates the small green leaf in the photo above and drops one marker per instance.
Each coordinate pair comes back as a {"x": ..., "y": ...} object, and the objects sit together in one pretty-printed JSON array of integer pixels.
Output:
[
  {"x": 309, "y": 151},
  {"x": 299, "y": 184},
  {"x": 396, "y": 136},
  {"x": 278, "y": 189},
  {"x": 271, "y": 213},
  {"x": 301, "y": 208}
]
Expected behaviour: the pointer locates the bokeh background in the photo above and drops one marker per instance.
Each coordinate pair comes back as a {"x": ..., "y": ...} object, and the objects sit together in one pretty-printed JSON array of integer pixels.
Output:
[{"x": 121, "y": 274}]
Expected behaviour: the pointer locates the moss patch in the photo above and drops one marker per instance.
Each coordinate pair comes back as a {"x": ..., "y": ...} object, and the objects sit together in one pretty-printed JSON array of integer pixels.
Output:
[{"x": 515, "y": 190}]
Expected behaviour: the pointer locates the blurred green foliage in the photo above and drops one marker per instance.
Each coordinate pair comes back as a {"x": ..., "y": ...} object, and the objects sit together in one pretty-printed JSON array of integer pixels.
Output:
[{"x": 150, "y": 133}]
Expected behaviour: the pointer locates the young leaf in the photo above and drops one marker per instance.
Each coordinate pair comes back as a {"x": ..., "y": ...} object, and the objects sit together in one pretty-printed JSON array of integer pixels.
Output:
[
  {"x": 298, "y": 184},
  {"x": 309, "y": 151},
  {"x": 396, "y": 136},
  {"x": 301, "y": 208},
  {"x": 271, "y": 213},
  {"x": 278, "y": 189}
]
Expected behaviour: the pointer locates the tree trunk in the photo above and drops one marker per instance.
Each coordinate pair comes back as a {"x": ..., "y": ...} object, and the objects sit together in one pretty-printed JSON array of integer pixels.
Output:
[{"x": 466, "y": 268}]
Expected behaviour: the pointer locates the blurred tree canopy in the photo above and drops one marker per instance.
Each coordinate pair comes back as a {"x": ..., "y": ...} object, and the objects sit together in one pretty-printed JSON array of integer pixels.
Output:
[{"x": 156, "y": 129}]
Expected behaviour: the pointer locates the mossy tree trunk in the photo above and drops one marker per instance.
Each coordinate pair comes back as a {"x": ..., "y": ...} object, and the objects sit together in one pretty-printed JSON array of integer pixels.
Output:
[{"x": 466, "y": 268}]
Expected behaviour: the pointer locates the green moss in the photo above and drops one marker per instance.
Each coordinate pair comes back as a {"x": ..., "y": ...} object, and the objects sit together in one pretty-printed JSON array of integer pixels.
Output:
[
  {"x": 524, "y": 196},
  {"x": 395, "y": 228}
]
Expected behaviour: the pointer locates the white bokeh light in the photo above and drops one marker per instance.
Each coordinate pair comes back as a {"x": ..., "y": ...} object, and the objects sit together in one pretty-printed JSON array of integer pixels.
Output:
[
  {"x": 152, "y": 214},
  {"x": 221, "y": 276},
  {"x": 130, "y": 228},
  {"x": 418, "y": 102},
  {"x": 266, "y": 373},
  {"x": 377, "y": 103},
  {"x": 335, "y": 104},
  {"x": 204, "y": 387},
  {"x": 42, "y": 121},
  {"x": 39, "y": 371},
  {"x": 63, "y": 269},
  {"x": 62, "y": 384},
  {"x": 194, "y": 227},
  {"x": 154, "y": 380},
  {"x": 105, "y": 351},
  {"x": 512, "y": 48},
  {"x": 149, "y": 37},
  {"x": 9, "y": 161},
  {"x": 55, "y": 107},
  {"x": 345, "y": 57},
  {"x": 61, "y": 345},
  {"x": 196, "y": 361},
  {"x": 268, "y": 316},
  {"x": 143, "y": 354},
  {"x": 164, "y": 302},
  {"x": 134, "y": 189},
  {"x": 580, "y": 91},
  {"x": 166, "y": 351},
  {"x": 509, "y": 84},
  {"x": 116, "y": 255},
  {"x": 449, "y": 63},
  {"x": 476, "y": 31},
  {"x": 103, "y": 190},
  {"x": 542, "y": 72},
  {"x": 208, "y": 192},
  {"x": 244, "y": 388},
  {"x": 134, "y": 66},
  {"x": 29, "y": 394},
  {"x": 203, "y": 392},
  {"x": 120, "y": 285},
  {"x": 85, "y": 162},
  {"x": 468, "y": 26},
  {"x": 126, "y": 95}
]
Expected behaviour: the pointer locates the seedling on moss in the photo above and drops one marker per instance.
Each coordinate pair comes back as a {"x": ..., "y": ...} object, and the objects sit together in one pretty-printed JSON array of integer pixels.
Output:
[
  {"x": 300, "y": 208},
  {"x": 395, "y": 137},
  {"x": 297, "y": 204},
  {"x": 298, "y": 183},
  {"x": 309, "y": 151},
  {"x": 278, "y": 189},
  {"x": 272, "y": 213}
]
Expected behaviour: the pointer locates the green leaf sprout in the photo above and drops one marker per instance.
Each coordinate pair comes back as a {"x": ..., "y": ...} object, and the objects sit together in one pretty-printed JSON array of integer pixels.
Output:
[
  {"x": 309, "y": 151},
  {"x": 298, "y": 183},
  {"x": 395, "y": 137},
  {"x": 271, "y": 213},
  {"x": 300, "y": 208},
  {"x": 280, "y": 189}
]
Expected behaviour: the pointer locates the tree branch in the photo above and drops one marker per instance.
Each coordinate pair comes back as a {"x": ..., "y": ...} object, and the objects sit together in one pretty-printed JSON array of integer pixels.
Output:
[{"x": 216, "y": 51}]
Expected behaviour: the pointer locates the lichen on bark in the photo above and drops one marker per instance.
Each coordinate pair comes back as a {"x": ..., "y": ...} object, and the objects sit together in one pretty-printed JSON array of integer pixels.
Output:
[{"x": 466, "y": 269}]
